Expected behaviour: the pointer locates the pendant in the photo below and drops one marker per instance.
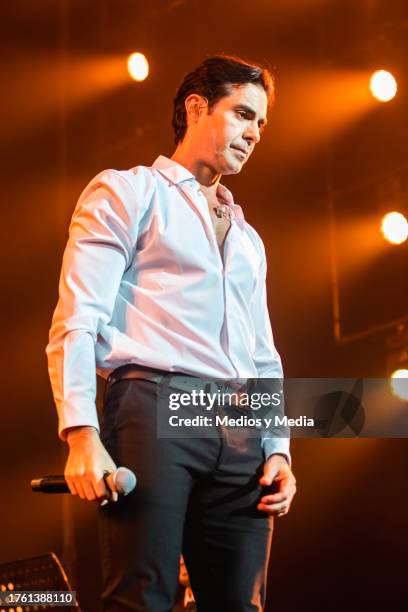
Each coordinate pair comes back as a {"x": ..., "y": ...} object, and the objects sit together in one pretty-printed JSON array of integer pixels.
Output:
[{"x": 223, "y": 211}]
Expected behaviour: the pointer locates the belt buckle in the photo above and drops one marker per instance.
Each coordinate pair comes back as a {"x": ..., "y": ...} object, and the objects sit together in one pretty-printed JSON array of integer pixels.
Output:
[{"x": 180, "y": 382}]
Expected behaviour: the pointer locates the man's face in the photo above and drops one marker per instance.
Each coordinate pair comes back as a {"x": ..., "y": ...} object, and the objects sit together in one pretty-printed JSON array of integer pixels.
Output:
[{"x": 226, "y": 136}]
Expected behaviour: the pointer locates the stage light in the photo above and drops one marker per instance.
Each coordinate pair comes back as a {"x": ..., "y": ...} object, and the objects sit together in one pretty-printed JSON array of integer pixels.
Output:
[
  {"x": 383, "y": 85},
  {"x": 399, "y": 383},
  {"x": 138, "y": 66},
  {"x": 394, "y": 227}
]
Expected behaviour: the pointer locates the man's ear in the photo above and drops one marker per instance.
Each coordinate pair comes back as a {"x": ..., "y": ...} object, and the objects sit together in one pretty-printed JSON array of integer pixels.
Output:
[{"x": 193, "y": 104}]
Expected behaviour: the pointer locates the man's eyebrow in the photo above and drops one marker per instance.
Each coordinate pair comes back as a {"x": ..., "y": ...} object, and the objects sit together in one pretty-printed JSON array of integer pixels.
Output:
[{"x": 263, "y": 121}]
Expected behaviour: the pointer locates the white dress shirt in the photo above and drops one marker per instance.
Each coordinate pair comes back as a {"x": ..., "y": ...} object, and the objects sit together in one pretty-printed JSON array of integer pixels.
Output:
[{"x": 143, "y": 281}]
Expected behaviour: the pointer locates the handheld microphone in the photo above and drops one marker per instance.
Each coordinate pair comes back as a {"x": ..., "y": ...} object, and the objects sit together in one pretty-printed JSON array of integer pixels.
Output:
[{"x": 122, "y": 480}]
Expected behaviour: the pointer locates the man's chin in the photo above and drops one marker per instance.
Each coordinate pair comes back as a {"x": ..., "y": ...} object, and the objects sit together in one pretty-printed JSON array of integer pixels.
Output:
[
  {"x": 233, "y": 168},
  {"x": 228, "y": 165}
]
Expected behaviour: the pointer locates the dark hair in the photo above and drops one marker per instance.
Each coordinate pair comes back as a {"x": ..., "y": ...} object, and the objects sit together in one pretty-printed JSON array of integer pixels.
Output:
[{"x": 211, "y": 79}]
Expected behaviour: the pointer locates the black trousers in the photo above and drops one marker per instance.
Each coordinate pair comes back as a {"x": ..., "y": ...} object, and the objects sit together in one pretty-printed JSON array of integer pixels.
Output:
[{"x": 194, "y": 495}]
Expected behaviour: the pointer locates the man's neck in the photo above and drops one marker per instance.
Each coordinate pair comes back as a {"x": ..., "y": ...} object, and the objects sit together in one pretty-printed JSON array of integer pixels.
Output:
[{"x": 205, "y": 175}]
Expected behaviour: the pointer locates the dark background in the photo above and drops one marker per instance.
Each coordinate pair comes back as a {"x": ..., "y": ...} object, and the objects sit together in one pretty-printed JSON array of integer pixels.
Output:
[{"x": 343, "y": 545}]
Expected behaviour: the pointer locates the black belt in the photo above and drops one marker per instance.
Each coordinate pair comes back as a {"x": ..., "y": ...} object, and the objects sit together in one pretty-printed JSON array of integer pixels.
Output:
[
  {"x": 133, "y": 371},
  {"x": 176, "y": 380}
]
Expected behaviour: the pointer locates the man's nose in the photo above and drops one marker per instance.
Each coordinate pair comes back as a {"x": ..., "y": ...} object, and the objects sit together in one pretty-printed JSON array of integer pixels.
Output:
[{"x": 252, "y": 134}]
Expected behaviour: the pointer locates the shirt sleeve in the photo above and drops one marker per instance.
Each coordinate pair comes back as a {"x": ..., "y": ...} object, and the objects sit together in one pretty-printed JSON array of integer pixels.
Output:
[
  {"x": 101, "y": 244},
  {"x": 267, "y": 360}
]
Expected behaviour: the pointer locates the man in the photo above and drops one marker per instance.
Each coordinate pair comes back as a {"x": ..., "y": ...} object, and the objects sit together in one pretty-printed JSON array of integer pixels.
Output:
[{"x": 163, "y": 284}]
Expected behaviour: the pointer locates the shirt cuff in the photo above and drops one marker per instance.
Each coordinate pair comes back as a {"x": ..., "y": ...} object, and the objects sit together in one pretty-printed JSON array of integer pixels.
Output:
[
  {"x": 272, "y": 446},
  {"x": 80, "y": 415}
]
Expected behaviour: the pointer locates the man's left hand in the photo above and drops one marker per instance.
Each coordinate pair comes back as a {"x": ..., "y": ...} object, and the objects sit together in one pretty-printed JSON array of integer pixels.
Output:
[{"x": 277, "y": 470}]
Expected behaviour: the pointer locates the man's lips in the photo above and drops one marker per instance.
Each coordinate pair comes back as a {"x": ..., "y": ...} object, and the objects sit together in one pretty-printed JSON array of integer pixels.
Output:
[{"x": 243, "y": 152}]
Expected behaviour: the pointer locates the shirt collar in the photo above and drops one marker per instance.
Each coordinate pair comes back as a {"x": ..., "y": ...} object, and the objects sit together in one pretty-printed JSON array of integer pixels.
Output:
[{"x": 176, "y": 173}]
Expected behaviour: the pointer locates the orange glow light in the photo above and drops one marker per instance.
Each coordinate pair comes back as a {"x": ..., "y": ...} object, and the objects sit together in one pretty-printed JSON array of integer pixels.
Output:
[
  {"x": 383, "y": 85},
  {"x": 138, "y": 66},
  {"x": 394, "y": 227},
  {"x": 399, "y": 383}
]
